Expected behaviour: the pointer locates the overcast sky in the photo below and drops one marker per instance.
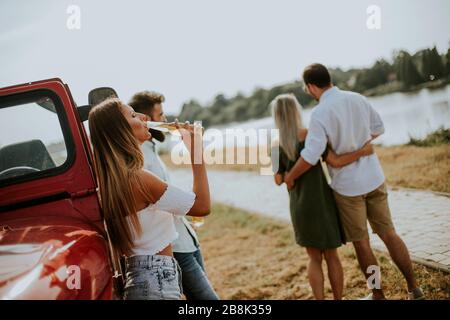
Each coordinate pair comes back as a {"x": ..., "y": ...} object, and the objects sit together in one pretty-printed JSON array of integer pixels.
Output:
[{"x": 198, "y": 48}]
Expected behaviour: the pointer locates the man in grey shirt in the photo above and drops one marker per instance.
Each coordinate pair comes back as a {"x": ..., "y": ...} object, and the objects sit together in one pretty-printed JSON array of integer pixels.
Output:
[
  {"x": 186, "y": 248},
  {"x": 345, "y": 121}
]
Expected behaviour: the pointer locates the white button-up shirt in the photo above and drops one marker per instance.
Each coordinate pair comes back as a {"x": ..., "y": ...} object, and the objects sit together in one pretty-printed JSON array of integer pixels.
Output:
[{"x": 346, "y": 121}]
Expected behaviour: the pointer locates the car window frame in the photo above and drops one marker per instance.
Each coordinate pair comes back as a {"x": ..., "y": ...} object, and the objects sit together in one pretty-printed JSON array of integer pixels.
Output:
[{"x": 31, "y": 96}]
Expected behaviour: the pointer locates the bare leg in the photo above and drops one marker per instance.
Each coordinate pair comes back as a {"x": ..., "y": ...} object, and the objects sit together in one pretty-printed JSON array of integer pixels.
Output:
[
  {"x": 366, "y": 258},
  {"x": 399, "y": 253},
  {"x": 315, "y": 274},
  {"x": 335, "y": 272}
]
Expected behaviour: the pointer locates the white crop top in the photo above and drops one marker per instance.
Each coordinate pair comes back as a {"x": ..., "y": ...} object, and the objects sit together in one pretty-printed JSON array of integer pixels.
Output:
[{"x": 158, "y": 228}]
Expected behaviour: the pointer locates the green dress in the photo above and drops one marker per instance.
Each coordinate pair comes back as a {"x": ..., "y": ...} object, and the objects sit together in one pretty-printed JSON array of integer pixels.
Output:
[{"x": 314, "y": 213}]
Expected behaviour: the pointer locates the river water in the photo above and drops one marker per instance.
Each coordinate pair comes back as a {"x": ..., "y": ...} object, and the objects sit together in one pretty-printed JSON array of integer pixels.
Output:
[{"x": 405, "y": 115}]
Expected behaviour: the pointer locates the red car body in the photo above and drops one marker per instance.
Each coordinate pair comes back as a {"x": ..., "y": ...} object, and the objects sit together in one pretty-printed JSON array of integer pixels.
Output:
[{"x": 52, "y": 239}]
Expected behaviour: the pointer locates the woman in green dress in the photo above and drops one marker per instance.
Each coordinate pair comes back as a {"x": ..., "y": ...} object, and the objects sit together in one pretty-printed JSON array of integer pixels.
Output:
[{"x": 313, "y": 210}]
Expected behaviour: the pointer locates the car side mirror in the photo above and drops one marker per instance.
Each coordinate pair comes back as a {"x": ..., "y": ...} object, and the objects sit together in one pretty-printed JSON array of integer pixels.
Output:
[
  {"x": 95, "y": 97},
  {"x": 99, "y": 95}
]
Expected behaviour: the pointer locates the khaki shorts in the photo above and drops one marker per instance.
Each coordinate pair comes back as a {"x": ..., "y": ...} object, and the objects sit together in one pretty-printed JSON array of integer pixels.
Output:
[{"x": 355, "y": 211}]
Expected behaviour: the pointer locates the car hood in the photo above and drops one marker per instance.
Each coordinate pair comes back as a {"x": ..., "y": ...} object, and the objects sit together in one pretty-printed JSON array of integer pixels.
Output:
[{"x": 52, "y": 262}]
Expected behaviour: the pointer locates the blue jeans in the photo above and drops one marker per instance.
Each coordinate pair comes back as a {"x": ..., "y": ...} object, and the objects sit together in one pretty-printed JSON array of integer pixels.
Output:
[
  {"x": 153, "y": 277},
  {"x": 196, "y": 285}
]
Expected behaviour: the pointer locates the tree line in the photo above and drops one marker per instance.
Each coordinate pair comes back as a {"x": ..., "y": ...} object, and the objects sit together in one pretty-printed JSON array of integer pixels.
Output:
[{"x": 406, "y": 72}]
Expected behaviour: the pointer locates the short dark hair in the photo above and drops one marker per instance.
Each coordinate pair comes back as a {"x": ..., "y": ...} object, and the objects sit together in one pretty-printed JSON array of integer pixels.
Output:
[
  {"x": 144, "y": 101},
  {"x": 317, "y": 74}
]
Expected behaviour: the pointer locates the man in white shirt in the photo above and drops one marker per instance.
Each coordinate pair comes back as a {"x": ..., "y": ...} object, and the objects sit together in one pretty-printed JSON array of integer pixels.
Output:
[
  {"x": 186, "y": 248},
  {"x": 344, "y": 121}
]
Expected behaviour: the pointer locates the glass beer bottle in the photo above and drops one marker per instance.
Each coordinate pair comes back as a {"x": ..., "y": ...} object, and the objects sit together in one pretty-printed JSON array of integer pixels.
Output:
[
  {"x": 162, "y": 126},
  {"x": 197, "y": 221}
]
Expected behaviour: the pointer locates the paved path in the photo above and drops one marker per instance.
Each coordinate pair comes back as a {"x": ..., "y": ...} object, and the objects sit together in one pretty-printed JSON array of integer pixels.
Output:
[{"x": 422, "y": 218}]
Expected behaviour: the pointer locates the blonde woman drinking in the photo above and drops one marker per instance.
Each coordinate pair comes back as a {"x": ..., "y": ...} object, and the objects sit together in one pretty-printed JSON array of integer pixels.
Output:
[
  {"x": 138, "y": 207},
  {"x": 313, "y": 210}
]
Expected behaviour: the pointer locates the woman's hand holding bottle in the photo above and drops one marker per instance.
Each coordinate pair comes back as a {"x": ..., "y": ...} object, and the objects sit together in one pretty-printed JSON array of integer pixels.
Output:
[{"x": 192, "y": 136}]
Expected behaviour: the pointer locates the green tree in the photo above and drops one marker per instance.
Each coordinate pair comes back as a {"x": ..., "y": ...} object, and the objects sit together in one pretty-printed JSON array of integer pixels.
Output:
[
  {"x": 190, "y": 111},
  {"x": 406, "y": 69},
  {"x": 376, "y": 75},
  {"x": 219, "y": 103},
  {"x": 447, "y": 62},
  {"x": 432, "y": 64}
]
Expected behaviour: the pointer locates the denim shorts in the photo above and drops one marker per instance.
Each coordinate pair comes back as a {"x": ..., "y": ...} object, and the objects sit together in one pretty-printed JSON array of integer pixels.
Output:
[{"x": 153, "y": 277}]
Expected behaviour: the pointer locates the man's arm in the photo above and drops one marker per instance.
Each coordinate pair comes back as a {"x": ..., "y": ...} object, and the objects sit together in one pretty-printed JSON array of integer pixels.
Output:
[
  {"x": 376, "y": 124},
  {"x": 315, "y": 144},
  {"x": 338, "y": 161},
  {"x": 300, "y": 167},
  {"x": 278, "y": 179},
  {"x": 278, "y": 166},
  {"x": 374, "y": 136}
]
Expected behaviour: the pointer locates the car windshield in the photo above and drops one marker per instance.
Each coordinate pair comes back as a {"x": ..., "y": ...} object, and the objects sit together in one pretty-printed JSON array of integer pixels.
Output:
[{"x": 31, "y": 138}]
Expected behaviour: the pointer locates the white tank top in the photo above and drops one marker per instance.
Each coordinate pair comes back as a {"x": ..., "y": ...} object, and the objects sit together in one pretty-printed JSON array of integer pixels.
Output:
[{"x": 157, "y": 221}]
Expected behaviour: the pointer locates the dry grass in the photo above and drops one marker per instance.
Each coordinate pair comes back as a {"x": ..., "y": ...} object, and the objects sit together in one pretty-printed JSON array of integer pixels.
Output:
[
  {"x": 253, "y": 257},
  {"x": 404, "y": 166},
  {"x": 417, "y": 167}
]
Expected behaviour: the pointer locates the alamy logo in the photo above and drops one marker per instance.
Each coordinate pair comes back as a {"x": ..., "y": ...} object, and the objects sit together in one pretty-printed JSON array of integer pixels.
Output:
[
  {"x": 74, "y": 19},
  {"x": 74, "y": 279},
  {"x": 374, "y": 280},
  {"x": 374, "y": 19},
  {"x": 254, "y": 148}
]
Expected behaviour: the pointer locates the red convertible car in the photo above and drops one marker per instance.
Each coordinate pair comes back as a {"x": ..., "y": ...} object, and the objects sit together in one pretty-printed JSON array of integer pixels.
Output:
[{"x": 53, "y": 244}]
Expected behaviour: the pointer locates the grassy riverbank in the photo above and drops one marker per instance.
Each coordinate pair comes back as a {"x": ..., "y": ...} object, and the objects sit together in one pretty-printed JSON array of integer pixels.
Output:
[
  {"x": 417, "y": 167},
  {"x": 249, "y": 256}
]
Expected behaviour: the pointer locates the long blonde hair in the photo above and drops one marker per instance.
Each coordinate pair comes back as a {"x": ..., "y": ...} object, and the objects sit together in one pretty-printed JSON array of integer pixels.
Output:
[
  {"x": 286, "y": 112},
  {"x": 117, "y": 160}
]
